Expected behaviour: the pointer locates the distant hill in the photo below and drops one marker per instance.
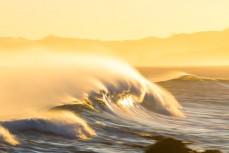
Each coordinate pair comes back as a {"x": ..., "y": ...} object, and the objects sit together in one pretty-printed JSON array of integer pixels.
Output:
[{"x": 202, "y": 48}]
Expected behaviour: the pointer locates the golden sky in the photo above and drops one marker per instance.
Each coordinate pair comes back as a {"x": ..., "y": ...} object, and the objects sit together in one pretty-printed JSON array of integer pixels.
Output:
[{"x": 110, "y": 19}]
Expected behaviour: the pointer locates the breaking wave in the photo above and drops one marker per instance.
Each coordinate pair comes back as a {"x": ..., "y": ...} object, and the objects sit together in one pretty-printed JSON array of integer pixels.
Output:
[{"x": 58, "y": 79}]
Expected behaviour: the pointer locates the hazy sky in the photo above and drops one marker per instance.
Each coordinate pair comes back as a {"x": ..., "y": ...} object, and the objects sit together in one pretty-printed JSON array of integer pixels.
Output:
[{"x": 110, "y": 19}]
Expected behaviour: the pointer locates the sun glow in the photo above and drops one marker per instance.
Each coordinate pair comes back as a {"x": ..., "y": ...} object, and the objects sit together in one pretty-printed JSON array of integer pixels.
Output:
[{"x": 127, "y": 101}]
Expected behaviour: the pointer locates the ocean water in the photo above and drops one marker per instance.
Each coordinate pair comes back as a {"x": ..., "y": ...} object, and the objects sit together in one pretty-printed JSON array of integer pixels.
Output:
[{"x": 189, "y": 104}]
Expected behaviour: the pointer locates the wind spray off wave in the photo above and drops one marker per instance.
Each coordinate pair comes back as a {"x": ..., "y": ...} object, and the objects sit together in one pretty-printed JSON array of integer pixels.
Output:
[{"x": 56, "y": 79}]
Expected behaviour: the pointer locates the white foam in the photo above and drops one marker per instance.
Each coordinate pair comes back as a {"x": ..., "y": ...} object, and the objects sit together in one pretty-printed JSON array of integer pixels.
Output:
[{"x": 7, "y": 137}]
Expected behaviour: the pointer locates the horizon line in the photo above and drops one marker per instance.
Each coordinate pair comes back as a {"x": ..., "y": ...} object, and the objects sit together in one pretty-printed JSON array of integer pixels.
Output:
[{"x": 103, "y": 40}]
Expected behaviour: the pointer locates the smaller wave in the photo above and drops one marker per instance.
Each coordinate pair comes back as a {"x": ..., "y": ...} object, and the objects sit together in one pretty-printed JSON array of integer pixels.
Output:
[
  {"x": 170, "y": 76},
  {"x": 61, "y": 123},
  {"x": 7, "y": 137},
  {"x": 187, "y": 76},
  {"x": 194, "y": 77}
]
